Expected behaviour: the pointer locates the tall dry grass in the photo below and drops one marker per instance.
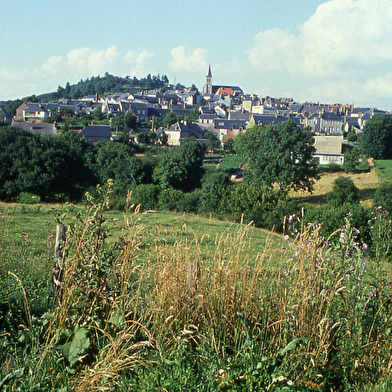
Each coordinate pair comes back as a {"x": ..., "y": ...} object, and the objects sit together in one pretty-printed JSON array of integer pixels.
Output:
[{"x": 226, "y": 301}]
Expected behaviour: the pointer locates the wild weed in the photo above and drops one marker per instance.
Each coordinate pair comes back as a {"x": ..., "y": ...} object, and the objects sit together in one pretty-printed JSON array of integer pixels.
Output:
[{"x": 315, "y": 316}]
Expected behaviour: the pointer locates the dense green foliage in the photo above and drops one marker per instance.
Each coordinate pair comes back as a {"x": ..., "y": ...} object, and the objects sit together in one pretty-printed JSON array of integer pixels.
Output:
[
  {"x": 181, "y": 168},
  {"x": 376, "y": 141},
  {"x": 280, "y": 154},
  {"x": 344, "y": 191},
  {"x": 383, "y": 196},
  {"x": 106, "y": 84},
  {"x": 45, "y": 166}
]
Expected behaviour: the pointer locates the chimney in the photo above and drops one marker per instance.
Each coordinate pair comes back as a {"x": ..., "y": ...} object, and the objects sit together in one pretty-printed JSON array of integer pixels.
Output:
[{"x": 96, "y": 97}]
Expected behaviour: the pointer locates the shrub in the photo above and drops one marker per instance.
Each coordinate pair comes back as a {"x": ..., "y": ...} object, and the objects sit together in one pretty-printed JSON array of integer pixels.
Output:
[
  {"x": 332, "y": 218},
  {"x": 146, "y": 195},
  {"x": 169, "y": 198},
  {"x": 28, "y": 198},
  {"x": 363, "y": 165},
  {"x": 189, "y": 202},
  {"x": 344, "y": 191},
  {"x": 352, "y": 137},
  {"x": 383, "y": 196},
  {"x": 214, "y": 190}
]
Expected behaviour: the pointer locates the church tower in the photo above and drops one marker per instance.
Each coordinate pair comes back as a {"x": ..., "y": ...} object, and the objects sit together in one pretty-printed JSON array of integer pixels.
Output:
[{"x": 208, "y": 86}]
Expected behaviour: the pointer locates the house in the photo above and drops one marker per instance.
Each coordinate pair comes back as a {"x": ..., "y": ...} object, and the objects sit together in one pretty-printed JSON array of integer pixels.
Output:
[
  {"x": 96, "y": 133},
  {"x": 327, "y": 123},
  {"x": 180, "y": 131},
  {"x": 42, "y": 129},
  {"x": 31, "y": 112},
  {"x": 329, "y": 149},
  {"x": 140, "y": 110},
  {"x": 224, "y": 127}
]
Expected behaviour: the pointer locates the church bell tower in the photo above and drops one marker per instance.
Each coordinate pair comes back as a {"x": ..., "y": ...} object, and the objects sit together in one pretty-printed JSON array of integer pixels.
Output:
[{"x": 208, "y": 86}]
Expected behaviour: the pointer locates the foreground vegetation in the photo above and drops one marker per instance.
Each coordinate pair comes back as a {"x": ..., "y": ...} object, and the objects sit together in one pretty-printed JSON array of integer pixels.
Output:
[{"x": 177, "y": 314}]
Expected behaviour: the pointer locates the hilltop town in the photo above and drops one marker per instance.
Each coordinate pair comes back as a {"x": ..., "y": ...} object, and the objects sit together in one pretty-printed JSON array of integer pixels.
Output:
[{"x": 224, "y": 110}]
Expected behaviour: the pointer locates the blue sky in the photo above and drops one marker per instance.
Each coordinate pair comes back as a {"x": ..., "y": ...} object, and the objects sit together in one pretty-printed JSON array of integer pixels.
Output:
[{"x": 324, "y": 51}]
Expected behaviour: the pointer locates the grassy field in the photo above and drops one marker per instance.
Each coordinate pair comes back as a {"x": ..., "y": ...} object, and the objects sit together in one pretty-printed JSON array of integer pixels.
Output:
[
  {"x": 385, "y": 167},
  {"x": 177, "y": 302},
  {"x": 30, "y": 231},
  {"x": 366, "y": 182},
  {"x": 231, "y": 162},
  {"x": 161, "y": 301}
]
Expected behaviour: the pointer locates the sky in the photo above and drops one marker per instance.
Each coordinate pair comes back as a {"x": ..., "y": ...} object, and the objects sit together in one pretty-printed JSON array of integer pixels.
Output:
[{"x": 336, "y": 51}]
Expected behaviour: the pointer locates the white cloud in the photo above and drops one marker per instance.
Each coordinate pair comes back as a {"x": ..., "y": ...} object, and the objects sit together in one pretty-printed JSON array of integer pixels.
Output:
[
  {"x": 183, "y": 60},
  {"x": 78, "y": 63},
  {"x": 139, "y": 62},
  {"x": 341, "y": 53},
  {"x": 53, "y": 65},
  {"x": 345, "y": 33},
  {"x": 92, "y": 62},
  {"x": 274, "y": 50}
]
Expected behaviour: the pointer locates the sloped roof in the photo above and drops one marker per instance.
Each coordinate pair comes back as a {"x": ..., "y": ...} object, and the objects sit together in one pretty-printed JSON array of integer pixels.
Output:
[
  {"x": 34, "y": 107},
  {"x": 223, "y": 123},
  {"x": 3, "y": 113},
  {"x": 38, "y": 128},
  {"x": 331, "y": 116},
  {"x": 268, "y": 119},
  {"x": 103, "y": 131}
]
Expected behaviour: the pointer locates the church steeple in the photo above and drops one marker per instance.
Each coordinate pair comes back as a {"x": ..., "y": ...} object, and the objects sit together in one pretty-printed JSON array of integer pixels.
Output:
[{"x": 208, "y": 86}]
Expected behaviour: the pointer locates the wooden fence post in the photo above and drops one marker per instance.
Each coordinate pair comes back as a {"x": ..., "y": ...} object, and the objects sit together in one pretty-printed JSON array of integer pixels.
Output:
[
  {"x": 192, "y": 276},
  {"x": 57, "y": 273}
]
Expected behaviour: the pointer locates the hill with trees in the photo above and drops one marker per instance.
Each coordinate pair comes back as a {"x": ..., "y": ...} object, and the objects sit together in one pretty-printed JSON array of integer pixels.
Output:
[{"x": 107, "y": 84}]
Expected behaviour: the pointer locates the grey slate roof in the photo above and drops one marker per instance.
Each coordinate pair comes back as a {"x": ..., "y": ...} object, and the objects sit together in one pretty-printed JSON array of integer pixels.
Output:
[
  {"x": 37, "y": 128},
  {"x": 265, "y": 119},
  {"x": 101, "y": 131},
  {"x": 223, "y": 123},
  {"x": 157, "y": 112}
]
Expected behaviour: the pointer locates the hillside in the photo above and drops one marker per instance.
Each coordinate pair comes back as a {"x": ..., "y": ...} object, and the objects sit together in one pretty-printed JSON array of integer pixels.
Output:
[{"x": 179, "y": 302}]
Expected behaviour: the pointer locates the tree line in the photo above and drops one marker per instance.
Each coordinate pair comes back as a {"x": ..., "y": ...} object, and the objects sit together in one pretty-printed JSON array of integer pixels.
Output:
[
  {"x": 95, "y": 85},
  {"x": 279, "y": 158}
]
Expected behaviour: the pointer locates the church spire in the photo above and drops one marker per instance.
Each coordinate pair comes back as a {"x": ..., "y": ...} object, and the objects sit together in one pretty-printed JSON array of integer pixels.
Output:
[
  {"x": 209, "y": 75},
  {"x": 208, "y": 86}
]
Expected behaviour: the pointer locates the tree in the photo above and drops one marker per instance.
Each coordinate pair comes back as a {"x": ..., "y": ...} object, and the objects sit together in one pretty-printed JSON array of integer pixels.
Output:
[
  {"x": 352, "y": 137},
  {"x": 130, "y": 120},
  {"x": 117, "y": 122},
  {"x": 344, "y": 191},
  {"x": 142, "y": 138},
  {"x": 229, "y": 145},
  {"x": 181, "y": 168},
  {"x": 115, "y": 160},
  {"x": 351, "y": 159},
  {"x": 214, "y": 190},
  {"x": 376, "y": 141},
  {"x": 97, "y": 114},
  {"x": 169, "y": 119},
  {"x": 280, "y": 154},
  {"x": 213, "y": 142},
  {"x": 44, "y": 166},
  {"x": 193, "y": 115}
]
